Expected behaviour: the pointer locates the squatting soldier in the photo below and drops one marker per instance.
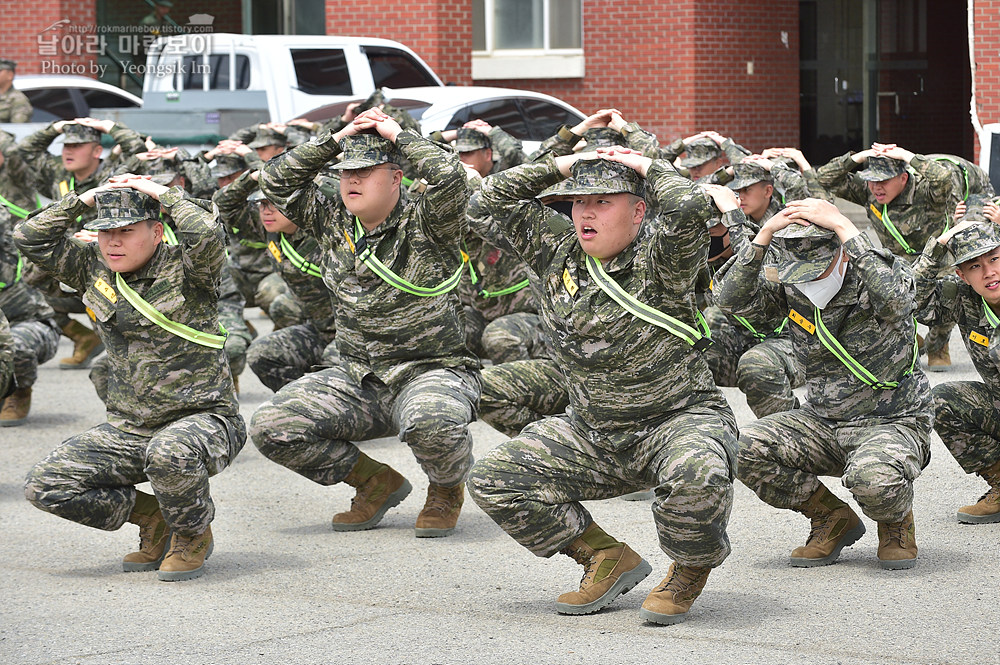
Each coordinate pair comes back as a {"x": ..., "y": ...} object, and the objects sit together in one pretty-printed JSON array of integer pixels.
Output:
[
  {"x": 14, "y": 105},
  {"x": 633, "y": 423},
  {"x": 7, "y": 383},
  {"x": 79, "y": 169},
  {"x": 392, "y": 264},
  {"x": 909, "y": 198},
  {"x": 17, "y": 192},
  {"x": 173, "y": 418},
  {"x": 286, "y": 354},
  {"x": 32, "y": 324},
  {"x": 706, "y": 156},
  {"x": 967, "y": 413},
  {"x": 867, "y": 416}
]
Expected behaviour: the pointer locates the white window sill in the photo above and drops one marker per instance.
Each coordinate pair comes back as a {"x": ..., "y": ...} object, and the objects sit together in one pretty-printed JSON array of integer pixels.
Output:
[{"x": 527, "y": 66}]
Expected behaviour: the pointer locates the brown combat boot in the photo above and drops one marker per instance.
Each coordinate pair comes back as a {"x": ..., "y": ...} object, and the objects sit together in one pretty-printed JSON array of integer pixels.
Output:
[
  {"x": 186, "y": 557},
  {"x": 153, "y": 535},
  {"x": 380, "y": 487},
  {"x": 897, "y": 544},
  {"x": 86, "y": 346},
  {"x": 939, "y": 361},
  {"x": 669, "y": 602},
  {"x": 610, "y": 569},
  {"x": 987, "y": 509},
  {"x": 834, "y": 527},
  {"x": 15, "y": 408},
  {"x": 440, "y": 513}
]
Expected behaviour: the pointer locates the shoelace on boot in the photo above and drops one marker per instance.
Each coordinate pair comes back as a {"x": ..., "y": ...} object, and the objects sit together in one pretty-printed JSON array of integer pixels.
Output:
[
  {"x": 585, "y": 559},
  {"x": 897, "y": 532},
  {"x": 147, "y": 531},
  {"x": 179, "y": 544},
  {"x": 681, "y": 579},
  {"x": 992, "y": 494},
  {"x": 438, "y": 500}
]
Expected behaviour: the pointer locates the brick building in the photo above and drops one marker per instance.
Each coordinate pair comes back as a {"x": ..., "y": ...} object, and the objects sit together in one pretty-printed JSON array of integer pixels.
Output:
[{"x": 827, "y": 75}]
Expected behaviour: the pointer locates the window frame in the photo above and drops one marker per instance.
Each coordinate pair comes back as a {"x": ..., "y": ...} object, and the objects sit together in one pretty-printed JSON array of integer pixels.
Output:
[{"x": 501, "y": 63}]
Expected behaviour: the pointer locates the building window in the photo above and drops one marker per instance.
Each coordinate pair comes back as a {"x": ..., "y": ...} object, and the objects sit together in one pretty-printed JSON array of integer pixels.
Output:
[{"x": 508, "y": 34}]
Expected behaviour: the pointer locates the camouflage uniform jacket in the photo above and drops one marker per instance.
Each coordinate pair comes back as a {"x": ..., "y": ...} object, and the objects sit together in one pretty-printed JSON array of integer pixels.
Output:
[
  {"x": 309, "y": 289},
  {"x": 733, "y": 151},
  {"x": 921, "y": 211},
  {"x": 48, "y": 172},
  {"x": 564, "y": 141},
  {"x": 380, "y": 329},
  {"x": 197, "y": 176},
  {"x": 6, "y": 358},
  {"x": 247, "y": 238},
  {"x": 19, "y": 301},
  {"x": 14, "y": 106},
  {"x": 949, "y": 300},
  {"x": 154, "y": 377},
  {"x": 15, "y": 177},
  {"x": 622, "y": 373},
  {"x": 871, "y": 316}
]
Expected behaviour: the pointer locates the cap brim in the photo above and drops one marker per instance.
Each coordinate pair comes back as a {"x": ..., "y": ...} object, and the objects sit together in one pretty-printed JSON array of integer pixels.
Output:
[
  {"x": 688, "y": 162},
  {"x": 875, "y": 176},
  {"x": 355, "y": 163},
  {"x": 116, "y": 223},
  {"x": 975, "y": 253}
]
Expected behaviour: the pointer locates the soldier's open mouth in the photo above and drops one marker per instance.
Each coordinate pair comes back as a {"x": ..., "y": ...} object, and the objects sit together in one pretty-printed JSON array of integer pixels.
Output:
[{"x": 587, "y": 232}]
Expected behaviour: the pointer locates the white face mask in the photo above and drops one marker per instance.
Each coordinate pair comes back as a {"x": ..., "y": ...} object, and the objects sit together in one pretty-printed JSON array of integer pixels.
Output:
[{"x": 821, "y": 291}]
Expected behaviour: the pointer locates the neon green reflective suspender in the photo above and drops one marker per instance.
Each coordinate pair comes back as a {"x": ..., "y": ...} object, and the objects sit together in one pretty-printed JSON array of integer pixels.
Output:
[
  {"x": 649, "y": 314},
  {"x": 252, "y": 244},
  {"x": 759, "y": 335},
  {"x": 20, "y": 267},
  {"x": 992, "y": 318},
  {"x": 296, "y": 259},
  {"x": 179, "y": 329},
  {"x": 168, "y": 235},
  {"x": 394, "y": 280},
  {"x": 492, "y": 294},
  {"x": 891, "y": 228},
  {"x": 15, "y": 209},
  {"x": 856, "y": 368}
]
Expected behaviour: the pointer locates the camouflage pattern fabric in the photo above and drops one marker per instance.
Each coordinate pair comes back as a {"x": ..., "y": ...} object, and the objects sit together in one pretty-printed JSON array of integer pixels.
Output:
[
  {"x": 517, "y": 336},
  {"x": 198, "y": 178},
  {"x": 287, "y": 310},
  {"x": 248, "y": 255},
  {"x": 91, "y": 477},
  {"x": 287, "y": 354},
  {"x": 876, "y": 302},
  {"x": 7, "y": 383},
  {"x": 155, "y": 377},
  {"x": 306, "y": 298},
  {"x": 309, "y": 425},
  {"x": 877, "y": 459},
  {"x": 732, "y": 150},
  {"x": 968, "y": 421},
  {"x": 420, "y": 241},
  {"x": 14, "y": 106},
  {"x": 16, "y": 182},
  {"x": 518, "y": 393},
  {"x": 533, "y": 485},
  {"x": 564, "y": 141}
]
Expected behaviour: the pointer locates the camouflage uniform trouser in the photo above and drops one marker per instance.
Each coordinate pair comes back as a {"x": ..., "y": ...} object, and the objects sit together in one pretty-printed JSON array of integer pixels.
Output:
[
  {"x": 285, "y": 355},
  {"x": 91, "y": 477},
  {"x": 238, "y": 335},
  {"x": 35, "y": 342},
  {"x": 308, "y": 425},
  {"x": 782, "y": 455},
  {"x": 533, "y": 484},
  {"x": 287, "y": 310},
  {"x": 765, "y": 371},
  {"x": 259, "y": 289},
  {"x": 518, "y": 393},
  {"x": 516, "y": 336},
  {"x": 967, "y": 418}
]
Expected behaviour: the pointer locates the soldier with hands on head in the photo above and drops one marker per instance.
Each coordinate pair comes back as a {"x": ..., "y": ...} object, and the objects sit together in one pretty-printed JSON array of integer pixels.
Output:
[
  {"x": 14, "y": 104},
  {"x": 644, "y": 411},
  {"x": 392, "y": 264},
  {"x": 173, "y": 419},
  {"x": 867, "y": 418}
]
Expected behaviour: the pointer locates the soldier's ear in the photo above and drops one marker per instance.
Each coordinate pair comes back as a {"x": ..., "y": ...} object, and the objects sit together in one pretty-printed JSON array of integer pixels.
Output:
[
  {"x": 639, "y": 212},
  {"x": 961, "y": 275}
]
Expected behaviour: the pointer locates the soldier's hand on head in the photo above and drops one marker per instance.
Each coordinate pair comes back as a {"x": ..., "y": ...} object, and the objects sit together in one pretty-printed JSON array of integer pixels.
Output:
[
  {"x": 85, "y": 235},
  {"x": 278, "y": 127},
  {"x": 631, "y": 158},
  {"x": 771, "y": 153},
  {"x": 694, "y": 137},
  {"x": 380, "y": 121},
  {"x": 100, "y": 125},
  {"x": 255, "y": 175},
  {"x": 301, "y": 122},
  {"x": 992, "y": 211},
  {"x": 617, "y": 122},
  {"x": 565, "y": 162},
  {"x": 715, "y": 136},
  {"x": 146, "y": 156},
  {"x": 61, "y": 124},
  {"x": 168, "y": 154},
  {"x": 892, "y": 151},
  {"x": 598, "y": 119},
  {"x": 242, "y": 150},
  {"x": 724, "y": 198},
  {"x": 150, "y": 143},
  {"x": 480, "y": 126},
  {"x": 822, "y": 213},
  {"x": 760, "y": 161},
  {"x": 140, "y": 183},
  {"x": 959, "y": 211},
  {"x": 950, "y": 233},
  {"x": 350, "y": 113},
  {"x": 796, "y": 155},
  {"x": 862, "y": 157},
  {"x": 88, "y": 197}
]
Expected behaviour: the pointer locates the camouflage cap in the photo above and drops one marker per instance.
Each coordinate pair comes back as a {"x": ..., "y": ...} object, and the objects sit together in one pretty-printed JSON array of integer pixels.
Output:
[
  {"x": 471, "y": 139},
  {"x": 882, "y": 168},
  {"x": 227, "y": 165},
  {"x": 74, "y": 133},
  {"x": 749, "y": 173},
  {"x": 374, "y": 100},
  {"x": 973, "y": 242},
  {"x": 364, "y": 150},
  {"x": 7, "y": 64},
  {"x": 256, "y": 196},
  {"x": 601, "y": 176},
  {"x": 603, "y": 137},
  {"x": 267, "y": 136},
  {"x": 803, "y": 253},
  {"x": 561, "y": 188},
  {"x": 120, "y": 207},
  {"x": 700, "y": 151}
]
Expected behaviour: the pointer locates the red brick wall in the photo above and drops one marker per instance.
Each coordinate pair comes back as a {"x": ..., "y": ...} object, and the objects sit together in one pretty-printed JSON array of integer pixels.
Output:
[
  {"x": 987, "y": 36},
  {"x": 439, "y": 31},
  {"x": 22, "y": 23}
]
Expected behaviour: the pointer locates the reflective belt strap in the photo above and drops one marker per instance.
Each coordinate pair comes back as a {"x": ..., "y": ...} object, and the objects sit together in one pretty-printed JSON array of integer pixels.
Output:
[
  {"x": 856, "y": 368},
  {"x": 891, "y": 228},
  {"x": 15, "y": 209},
  {"x": 362, "y": 250},
  {"x": 992, "y": 318},
  {"x": 252, "y": 244},
  {"x": 179, "y": 329},
  {"x": 20, "y": 266},
  {"x": 514, "y": 288},
  {"x": 649, "y": 314},
  {"x": 759, "y": 335},
  {"x": 296, "y": 259}
]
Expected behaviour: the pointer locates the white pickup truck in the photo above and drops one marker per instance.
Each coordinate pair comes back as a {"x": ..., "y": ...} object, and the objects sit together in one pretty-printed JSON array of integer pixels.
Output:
[{"x": 201, "y": 86}]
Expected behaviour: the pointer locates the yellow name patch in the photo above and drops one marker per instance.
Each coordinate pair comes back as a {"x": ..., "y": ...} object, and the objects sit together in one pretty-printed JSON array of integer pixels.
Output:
[
  {"x": 275, "y": 251},
  {"x": 568, "y": 282},
  {"x": 878, "y": 213},
  {"x": 106, "y": 289},
  {"x": 979, "y": 339},
  {"x": 802, "y": 321}
]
